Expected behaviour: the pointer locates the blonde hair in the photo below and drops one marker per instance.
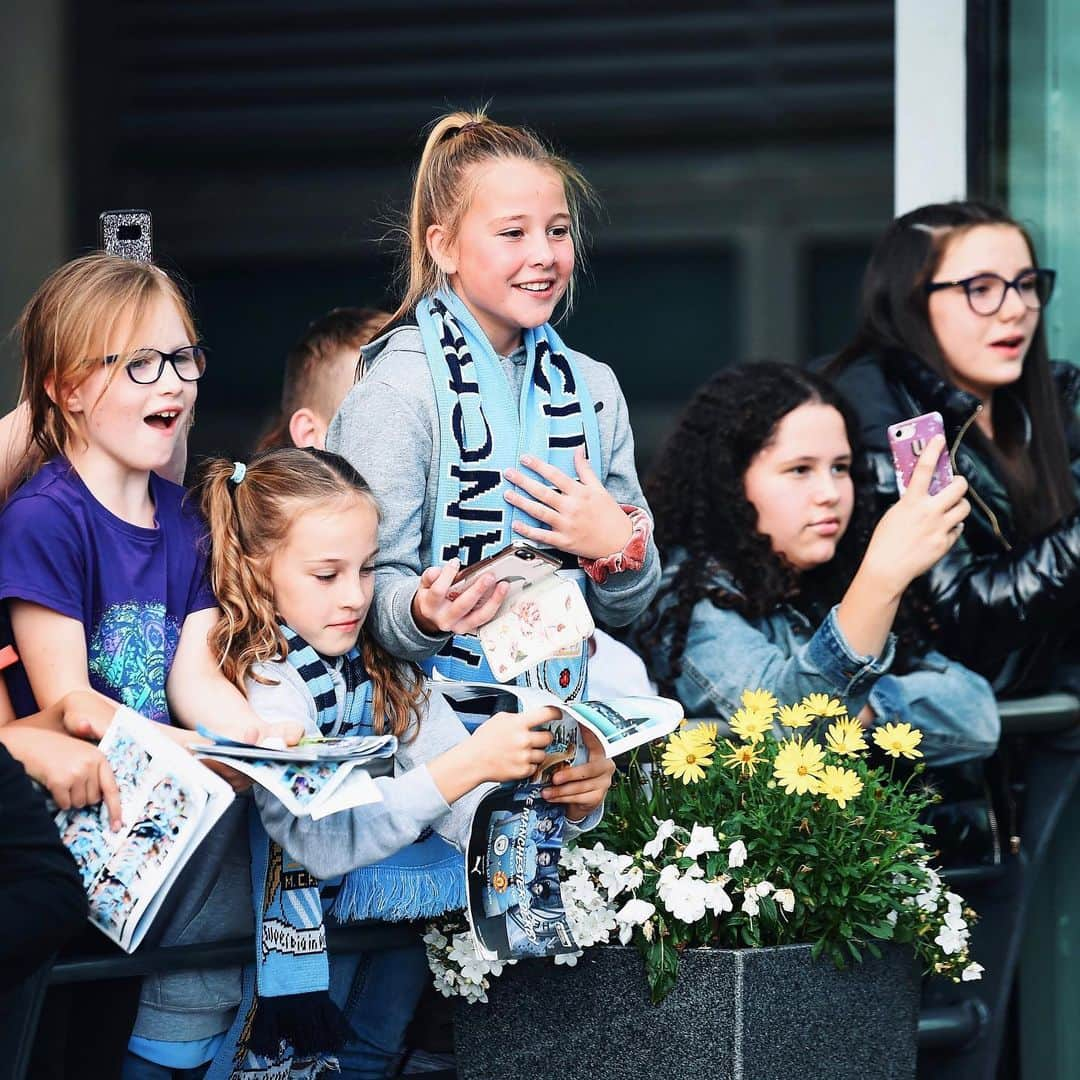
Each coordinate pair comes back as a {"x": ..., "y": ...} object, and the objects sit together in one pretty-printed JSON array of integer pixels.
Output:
[
  {"x": 248, "y": 522},
  {"x": 442, "y": 191},
  {"x": 66, "y": 327}
]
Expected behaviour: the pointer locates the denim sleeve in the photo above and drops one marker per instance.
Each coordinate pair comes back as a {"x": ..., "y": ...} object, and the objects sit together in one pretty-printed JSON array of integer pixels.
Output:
[
  {"x": 952, "y": 706},
  {"x": 726, "y": 655}
]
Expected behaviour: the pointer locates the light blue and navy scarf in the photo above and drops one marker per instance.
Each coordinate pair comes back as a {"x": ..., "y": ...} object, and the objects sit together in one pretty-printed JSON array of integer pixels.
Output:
[
  {"x": 483, "y": 431},
  {"x": 287, "y": 1025}
]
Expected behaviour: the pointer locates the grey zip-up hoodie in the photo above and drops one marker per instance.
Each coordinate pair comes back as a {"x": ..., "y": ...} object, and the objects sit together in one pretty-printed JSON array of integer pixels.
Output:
[{"x": 388, "y": 429}]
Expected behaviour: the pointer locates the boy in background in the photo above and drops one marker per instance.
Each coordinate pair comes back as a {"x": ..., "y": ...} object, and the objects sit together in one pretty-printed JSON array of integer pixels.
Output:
[{"x": 319, "y": 371}]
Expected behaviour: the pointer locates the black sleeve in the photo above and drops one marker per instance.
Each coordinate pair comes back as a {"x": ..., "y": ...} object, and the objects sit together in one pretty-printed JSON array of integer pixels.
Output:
[{"x": 42, "y": 903}]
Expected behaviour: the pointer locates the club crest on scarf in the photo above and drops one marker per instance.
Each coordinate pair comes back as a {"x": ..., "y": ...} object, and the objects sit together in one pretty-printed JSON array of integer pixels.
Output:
[{"x": 483, "y": 432}]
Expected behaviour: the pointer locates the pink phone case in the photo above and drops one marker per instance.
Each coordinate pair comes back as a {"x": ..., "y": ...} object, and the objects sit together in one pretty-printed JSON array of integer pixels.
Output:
[{"x": 907, "y": 440}]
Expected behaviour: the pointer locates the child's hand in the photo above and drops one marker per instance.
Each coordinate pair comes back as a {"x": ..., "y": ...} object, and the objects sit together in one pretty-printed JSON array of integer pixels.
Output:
[
  {"x": 283, "y": 732},
  {"x": 581, "y": 788},
  {"x": 74, "y": 772},
  {"x": 86, "y": 714},
  {"x": 920, "y": 528},
  {"x": 507, "y": 747},
  {"x": 434, "y": 612},
  {"x": 581, "y": 517}
]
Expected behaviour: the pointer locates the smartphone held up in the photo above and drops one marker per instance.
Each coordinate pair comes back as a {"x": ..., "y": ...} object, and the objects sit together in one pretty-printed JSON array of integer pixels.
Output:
[{"x": 908, "y": 439}]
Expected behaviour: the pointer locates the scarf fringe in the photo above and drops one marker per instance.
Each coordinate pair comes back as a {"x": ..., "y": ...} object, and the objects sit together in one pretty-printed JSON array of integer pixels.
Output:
[
  {"x": 400, "y": 893},
  {"x": 310, "y": 1023}
]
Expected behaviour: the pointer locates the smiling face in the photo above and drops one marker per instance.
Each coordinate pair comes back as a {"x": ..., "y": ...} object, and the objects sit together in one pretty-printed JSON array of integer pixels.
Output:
[
  {"x": 513, "y": 256},
  {"x": 983, "y": 352},
  {"x": 800, "y": 485},
  {"x": 125, "y": 426},
  {"x": 323, "y": 574}
]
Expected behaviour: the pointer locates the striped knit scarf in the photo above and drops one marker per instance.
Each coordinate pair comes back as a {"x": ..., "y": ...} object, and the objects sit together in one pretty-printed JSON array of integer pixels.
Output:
[{"x": 483, "y": 431}]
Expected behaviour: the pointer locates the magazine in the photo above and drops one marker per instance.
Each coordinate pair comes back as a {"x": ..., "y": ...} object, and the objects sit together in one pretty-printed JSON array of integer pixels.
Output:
[
  {"x": 169, "y": 803},
  {"x": 515, "y": 904},
  {"x": 318, "y": 776}
]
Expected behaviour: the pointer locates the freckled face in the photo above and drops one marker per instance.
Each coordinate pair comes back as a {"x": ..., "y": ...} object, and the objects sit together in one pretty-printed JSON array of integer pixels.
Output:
[{"x": 800, "y": 484}]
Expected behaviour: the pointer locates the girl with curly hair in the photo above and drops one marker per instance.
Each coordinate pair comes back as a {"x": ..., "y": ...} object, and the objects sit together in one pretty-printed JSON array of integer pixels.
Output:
[{"x": 774, "y": 578}]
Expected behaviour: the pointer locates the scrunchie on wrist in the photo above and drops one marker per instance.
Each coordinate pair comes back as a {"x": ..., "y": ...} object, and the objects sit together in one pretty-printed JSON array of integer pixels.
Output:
[{"x": 632, "y": 556}]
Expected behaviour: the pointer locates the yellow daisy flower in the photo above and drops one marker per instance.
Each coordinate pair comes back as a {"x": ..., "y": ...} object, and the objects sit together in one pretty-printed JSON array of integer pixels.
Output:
[
  {"x": 824, "y": 706},
  {"x": 749, "y": 725},
  {"x": 686, "y": 759},
  {"x": 845, "y": 737},
  {"x": 798, "y": 766},
  {"x": 899, "y": 740},
  {"x": 795, "y": 716},
  {"x": 703, "y": 734},
  {"x": 759, "y": 701},
  {"x": 840, "y": 785},
  {"x": 744, "y": 757}
]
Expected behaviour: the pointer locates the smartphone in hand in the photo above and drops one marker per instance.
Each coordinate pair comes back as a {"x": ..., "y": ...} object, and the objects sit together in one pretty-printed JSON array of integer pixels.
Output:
[
  {"x": 908, "y": 439},
  {"x": 519, "y": 563}
]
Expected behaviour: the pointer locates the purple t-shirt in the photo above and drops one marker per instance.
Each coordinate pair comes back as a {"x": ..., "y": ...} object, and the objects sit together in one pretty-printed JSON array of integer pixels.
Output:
[{"x": 130, "y": 587}]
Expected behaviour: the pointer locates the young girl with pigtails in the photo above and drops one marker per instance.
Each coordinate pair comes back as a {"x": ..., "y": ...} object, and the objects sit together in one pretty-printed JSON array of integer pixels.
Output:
[
  {"x": 476, "y": 425},
  {"x": 294, "y": 540}
]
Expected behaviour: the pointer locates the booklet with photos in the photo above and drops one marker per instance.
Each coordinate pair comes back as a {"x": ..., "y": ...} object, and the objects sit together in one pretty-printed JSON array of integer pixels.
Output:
[
  {"x": 169, "y": 803},
  {"x": 515, "y": 904},
  {"x": 318, "y": 776}
]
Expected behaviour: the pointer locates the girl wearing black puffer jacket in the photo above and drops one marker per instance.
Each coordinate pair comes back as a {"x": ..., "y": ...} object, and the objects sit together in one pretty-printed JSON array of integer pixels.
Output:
[{"x": 951, "y": 321}]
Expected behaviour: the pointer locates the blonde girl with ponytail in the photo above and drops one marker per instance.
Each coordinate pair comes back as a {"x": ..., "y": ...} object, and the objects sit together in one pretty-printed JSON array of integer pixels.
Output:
[{"x": 476, "y": 425}]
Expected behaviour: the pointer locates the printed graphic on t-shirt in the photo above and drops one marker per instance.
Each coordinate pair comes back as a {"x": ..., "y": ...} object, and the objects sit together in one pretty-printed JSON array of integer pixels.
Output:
[{"x": 131, "y": 652}]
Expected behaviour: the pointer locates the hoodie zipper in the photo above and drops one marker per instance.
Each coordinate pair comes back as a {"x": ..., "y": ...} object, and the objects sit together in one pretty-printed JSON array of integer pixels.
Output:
[{"x": 972, "y": 493}]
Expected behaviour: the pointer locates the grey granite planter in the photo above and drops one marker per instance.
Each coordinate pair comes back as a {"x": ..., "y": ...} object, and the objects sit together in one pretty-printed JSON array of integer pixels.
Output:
[{"x": 735, "y": 1014}]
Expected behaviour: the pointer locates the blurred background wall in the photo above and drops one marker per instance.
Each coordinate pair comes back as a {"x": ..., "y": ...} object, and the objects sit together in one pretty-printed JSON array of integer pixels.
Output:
[{"x": 743, "y": 154}]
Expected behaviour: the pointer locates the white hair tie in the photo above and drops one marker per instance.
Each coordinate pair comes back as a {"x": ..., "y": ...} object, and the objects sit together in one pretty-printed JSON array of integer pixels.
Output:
[{"x": 239, "y": 472}]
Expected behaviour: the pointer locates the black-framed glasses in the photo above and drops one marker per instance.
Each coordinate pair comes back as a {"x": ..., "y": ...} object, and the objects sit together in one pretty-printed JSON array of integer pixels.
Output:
[
  {"x": 144, "y": 366},
  {"x": 986, "y": 292}
]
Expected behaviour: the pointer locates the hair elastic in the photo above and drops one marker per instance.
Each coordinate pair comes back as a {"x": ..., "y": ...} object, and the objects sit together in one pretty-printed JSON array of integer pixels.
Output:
[{"x": 239, "y": 472}]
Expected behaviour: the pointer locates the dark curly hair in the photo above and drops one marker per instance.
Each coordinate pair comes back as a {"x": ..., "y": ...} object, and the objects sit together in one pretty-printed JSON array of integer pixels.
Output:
[{"x": 696, "y": 494}]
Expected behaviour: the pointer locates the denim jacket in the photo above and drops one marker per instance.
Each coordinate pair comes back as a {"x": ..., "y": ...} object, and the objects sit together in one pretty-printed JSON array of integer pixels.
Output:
[{"x": 727, "y": 653}]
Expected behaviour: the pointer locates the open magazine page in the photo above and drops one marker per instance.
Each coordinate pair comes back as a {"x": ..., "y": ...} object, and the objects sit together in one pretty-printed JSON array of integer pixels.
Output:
[
  {"x": 515, "y": 904},
  {"x": 169, "y": 803},
  {"x": 319, "y": 776}
]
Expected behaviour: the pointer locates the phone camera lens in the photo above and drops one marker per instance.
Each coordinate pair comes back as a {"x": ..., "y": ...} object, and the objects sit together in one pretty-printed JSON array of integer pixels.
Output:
[{"x": 525, "y": 554}]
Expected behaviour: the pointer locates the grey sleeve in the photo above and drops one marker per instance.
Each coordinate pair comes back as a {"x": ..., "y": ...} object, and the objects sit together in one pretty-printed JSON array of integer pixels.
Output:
[
  {"x": 387, "y": 439},
  {"x": 623, "y": 597},
  {"x": 410, "y": 803}
]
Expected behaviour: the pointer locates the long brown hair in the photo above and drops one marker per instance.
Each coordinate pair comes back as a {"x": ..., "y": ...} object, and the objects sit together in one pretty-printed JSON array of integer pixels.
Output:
[
  {"x": 248, "y": 521},
  {"x": 894, "y": 319},
  {"x": 65, "y": 330},
  {"x": 443, "y": 188}
]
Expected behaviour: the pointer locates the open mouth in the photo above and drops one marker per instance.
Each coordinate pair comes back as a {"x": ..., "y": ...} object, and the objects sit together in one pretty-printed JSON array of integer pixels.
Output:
[
  {"x": 1010, "y": 342},
  {"x": 166, "y": 420}
]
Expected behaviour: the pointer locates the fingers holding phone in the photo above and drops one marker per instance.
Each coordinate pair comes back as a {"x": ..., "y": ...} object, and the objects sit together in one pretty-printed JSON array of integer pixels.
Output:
[{"x": 439, "y": 608}]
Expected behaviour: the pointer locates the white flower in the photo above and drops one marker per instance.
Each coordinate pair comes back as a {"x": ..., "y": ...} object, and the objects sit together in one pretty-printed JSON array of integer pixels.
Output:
[
  {"x": 892, "y": 917},
  {"x": 951, "y": 941},
  {"x": 647, "y": 931},
  {"x": 785, "y": 898},
  {"x": 613, "y": 875},
  {"x": 716, "y": 896},
  {"x": 736, "y": 854},
  {"x": 633, "y": 913},
  {"x": 633, "y": 878},
  {"x": 668, "y": 876},
  {"x": 971, "y": 973},
  {"x": 570, "y": 959},
  {"x": 702, "y": 841},
  {"x": 955, "y": 921},
  {"x": 750, "y": 902},
  {"x": 665, "y": 830},
  {"x": 764, "y": 888},
  {"x": 685, "y": 896}
]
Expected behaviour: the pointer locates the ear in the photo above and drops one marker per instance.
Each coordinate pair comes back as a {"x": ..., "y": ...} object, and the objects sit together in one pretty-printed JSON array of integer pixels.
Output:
[
  {"x": 71, "y": 396},
  {"x": 307, "y": 428},
  {"x": 441, "y": 250}
]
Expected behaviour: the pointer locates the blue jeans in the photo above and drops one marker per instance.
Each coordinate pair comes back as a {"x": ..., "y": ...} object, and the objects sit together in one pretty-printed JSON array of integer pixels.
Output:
[
  {"x": 137, "y": 1068},
  {"x": 377, "y": 992}
]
